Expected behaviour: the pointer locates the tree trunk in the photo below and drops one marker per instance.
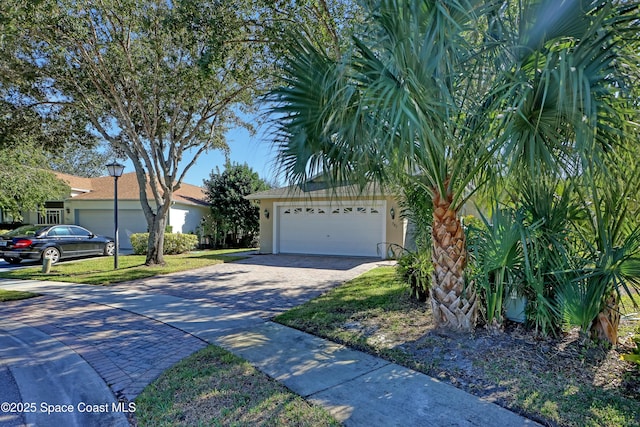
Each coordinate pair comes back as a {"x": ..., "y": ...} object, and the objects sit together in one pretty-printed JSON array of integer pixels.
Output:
[
  {"x": 155, "y": 245},
  {"x": 605, "y": 325},
  {"x": 454, "y": 305}
]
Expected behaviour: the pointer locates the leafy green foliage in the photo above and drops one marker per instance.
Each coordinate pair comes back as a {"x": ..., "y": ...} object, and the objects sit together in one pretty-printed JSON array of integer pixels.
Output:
[
  {"x": 23, "y": 185},
  {"x": 415, "y": 268},
  {"x": 174, "y": 243},
  {"x": 634, "y": 356},
  {"x": 233, "y": 217},
  {"x": 497, "y": 252},
  {"x": 79, "y": 160},
  {"x": 555, "y": 381},
  {"x": 387, "y": 106},
  {"x": 416, "y": 206},
  {"x": 547, "y": 212}
]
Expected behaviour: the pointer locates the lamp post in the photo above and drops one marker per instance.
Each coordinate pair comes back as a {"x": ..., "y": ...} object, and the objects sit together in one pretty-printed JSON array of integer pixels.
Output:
[{"x": 115, "y": 170}]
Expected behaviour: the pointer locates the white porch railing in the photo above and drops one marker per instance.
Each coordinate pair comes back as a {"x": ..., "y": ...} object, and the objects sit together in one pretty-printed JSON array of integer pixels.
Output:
[{"x": 51, "y": 216}]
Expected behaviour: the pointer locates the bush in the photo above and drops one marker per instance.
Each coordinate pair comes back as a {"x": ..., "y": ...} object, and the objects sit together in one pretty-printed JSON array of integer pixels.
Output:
[
  {"x": 415, "y": 268},
  {"x": 174, "y": 243}
]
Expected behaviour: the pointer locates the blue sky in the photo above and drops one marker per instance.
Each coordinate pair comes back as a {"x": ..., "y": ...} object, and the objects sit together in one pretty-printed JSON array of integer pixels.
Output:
[
  {"x": 244, "y": 148},
  {"x": 254, "y": 150}
]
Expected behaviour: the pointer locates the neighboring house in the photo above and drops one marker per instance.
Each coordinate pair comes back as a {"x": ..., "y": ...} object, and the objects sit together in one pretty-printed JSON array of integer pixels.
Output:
[
  {"x": 91, "y": 205},
  {"x": 316, "y": 219}
]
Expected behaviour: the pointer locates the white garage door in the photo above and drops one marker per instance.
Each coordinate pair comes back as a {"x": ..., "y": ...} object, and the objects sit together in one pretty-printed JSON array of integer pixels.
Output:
[
  {"x": 101, "y": 222},
  {"x": 352, "y": 230}
]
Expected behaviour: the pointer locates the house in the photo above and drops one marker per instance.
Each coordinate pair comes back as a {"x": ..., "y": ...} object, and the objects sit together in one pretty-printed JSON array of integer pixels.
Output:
[
  {"x": 91, "y": 204},
  {"x": 320, "y": 220}
]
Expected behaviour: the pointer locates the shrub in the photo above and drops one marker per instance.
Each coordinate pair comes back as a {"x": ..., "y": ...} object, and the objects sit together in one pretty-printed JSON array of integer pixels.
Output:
[
  {"x": 174, "y": 243},
  {"x": 496, "y": 251},
  {"x": 415, "y": 268}
]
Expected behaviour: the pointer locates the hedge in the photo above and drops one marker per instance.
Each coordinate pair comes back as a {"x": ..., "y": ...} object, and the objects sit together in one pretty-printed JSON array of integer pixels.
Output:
[{"x": 174, "y": 243}]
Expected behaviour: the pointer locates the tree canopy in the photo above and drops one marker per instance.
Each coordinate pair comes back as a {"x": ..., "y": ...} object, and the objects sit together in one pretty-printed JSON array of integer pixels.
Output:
[
  {"x": 160, "y": 81},
  {"x": 78, "y": 160},
  {"x": 233, "y": 217},
  {"x": 24, "y": 185}
]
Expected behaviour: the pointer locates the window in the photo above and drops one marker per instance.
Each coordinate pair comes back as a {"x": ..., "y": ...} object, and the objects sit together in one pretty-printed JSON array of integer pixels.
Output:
[
  {"x": 361, "y": 210},
  {"x": 79, "y": 231},
  {"x": 310, "y": 211},
  {"x": 59, "y": 232}
]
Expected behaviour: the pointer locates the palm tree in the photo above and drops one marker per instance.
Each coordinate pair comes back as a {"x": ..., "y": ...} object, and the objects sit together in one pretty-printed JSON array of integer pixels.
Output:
[
  {"x": 570, "y": 111},
  {"x": 443, "y": 90}
]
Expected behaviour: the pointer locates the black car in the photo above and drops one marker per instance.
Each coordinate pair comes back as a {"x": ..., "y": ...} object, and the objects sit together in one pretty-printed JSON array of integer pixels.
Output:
[{"x": 53, "y": 241}]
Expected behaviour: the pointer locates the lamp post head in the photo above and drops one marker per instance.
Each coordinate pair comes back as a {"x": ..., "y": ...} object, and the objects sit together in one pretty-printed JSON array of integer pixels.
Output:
[{"x": 115, "y": 169}]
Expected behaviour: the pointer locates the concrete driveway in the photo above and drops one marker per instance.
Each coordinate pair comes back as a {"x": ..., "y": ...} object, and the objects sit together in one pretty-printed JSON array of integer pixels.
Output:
[{"x": 263, "y": 285}]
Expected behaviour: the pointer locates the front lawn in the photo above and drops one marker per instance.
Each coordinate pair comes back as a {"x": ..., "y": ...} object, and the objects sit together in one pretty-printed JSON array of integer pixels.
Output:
[
  {"x": 563, "y": 381},
  {"x": 99, "y": 271}
]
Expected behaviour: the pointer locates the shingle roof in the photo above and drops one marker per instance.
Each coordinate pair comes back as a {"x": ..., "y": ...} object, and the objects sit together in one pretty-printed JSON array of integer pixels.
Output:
[
  {"x": 75, "y": 182},
  {"x": 318, "y": 190},
  {"x": 101, "y": 188}
]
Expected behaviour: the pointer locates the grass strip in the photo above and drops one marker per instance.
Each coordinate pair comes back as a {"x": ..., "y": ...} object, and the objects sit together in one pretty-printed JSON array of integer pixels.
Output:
[
  {"x": 6, "y": 295},
  {"x": 99, "y": 271},
  {"x": 214, "y": 387}
]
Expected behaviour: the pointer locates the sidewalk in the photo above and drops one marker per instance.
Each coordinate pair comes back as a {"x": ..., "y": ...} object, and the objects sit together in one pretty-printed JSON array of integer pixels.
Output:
[{"x": 358, "y": 389}]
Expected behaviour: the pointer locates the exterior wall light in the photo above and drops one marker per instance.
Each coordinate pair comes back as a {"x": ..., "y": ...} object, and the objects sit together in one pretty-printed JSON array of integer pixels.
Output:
[
  {"x": 392, "y": 212},
  {"x": 266, "y": 213}
]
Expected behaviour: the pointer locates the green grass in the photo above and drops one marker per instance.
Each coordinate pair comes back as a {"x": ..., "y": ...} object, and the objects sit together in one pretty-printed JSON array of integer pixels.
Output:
[
  {"x": 15, "y": 295},
  {"x": 560, "y": 398},
  {"x": 99, "y": 271},
  {"x": 557, "y": 382},
  {"x": 213, "y": 387},
  {"x": 352, "y": 313}
]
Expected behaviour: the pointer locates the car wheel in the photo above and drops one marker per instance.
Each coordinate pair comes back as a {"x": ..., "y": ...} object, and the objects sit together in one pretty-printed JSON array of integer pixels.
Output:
[
  {"x": 13, "y": 261},
  {"x": 110, "y": 249},
  {"x": 52, "y": 253}
]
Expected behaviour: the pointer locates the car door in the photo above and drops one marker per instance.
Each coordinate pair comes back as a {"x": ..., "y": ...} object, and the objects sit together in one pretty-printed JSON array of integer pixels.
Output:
[
  {"x": 88, "y": 244},
  {"x": 61, "y": 236}
]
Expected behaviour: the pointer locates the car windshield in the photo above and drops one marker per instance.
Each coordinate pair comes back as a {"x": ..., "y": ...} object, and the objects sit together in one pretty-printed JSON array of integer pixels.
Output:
[{"x": 24, "y": 230}]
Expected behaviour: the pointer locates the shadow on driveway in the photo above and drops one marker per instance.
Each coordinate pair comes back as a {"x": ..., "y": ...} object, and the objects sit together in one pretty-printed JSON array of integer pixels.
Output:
[{"x": 316, "y": 262}]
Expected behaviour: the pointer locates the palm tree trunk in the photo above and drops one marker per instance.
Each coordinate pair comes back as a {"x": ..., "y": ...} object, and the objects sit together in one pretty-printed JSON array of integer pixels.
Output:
[
  {"x": 605, "y": 325},
  {"x": 454, "y": 305}
]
